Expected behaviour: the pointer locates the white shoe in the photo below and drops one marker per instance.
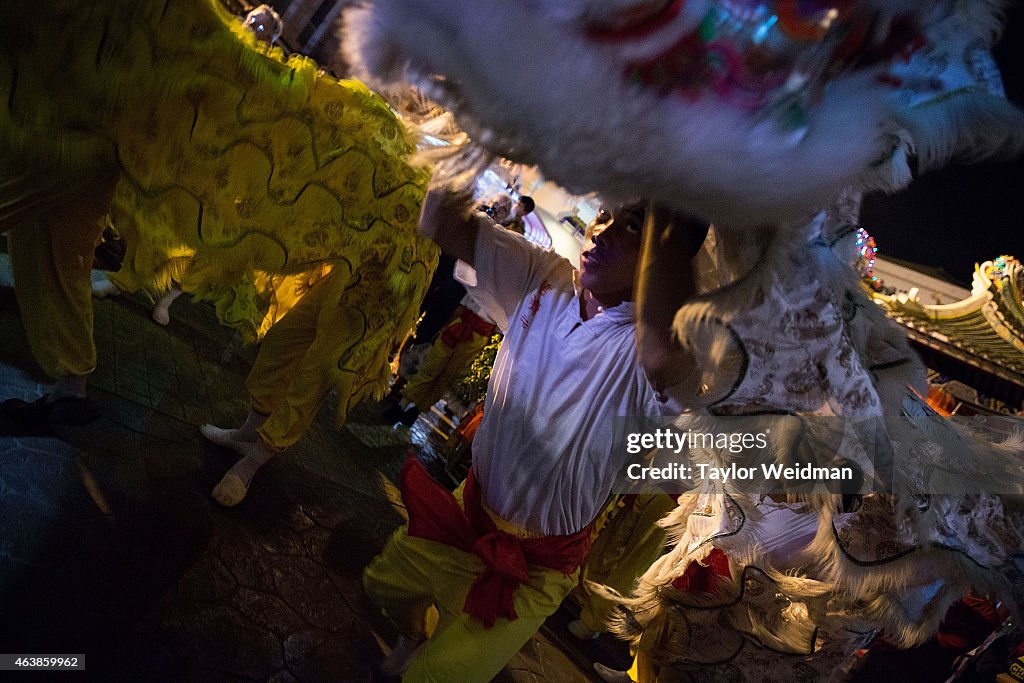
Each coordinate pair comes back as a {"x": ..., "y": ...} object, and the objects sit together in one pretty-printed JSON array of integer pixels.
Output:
[
  {"x": 580, "y": 631},
  {"x": 401, "y": 656},
  {"x": 610, "y": 675},
  {"x": 230, "y": 491},
  {"x": 233, "y": 486}
]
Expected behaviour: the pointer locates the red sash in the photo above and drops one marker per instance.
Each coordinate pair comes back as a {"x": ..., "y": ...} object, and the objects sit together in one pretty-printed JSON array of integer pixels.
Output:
[
  {"x": 435, "y": 515},
  {"x": 464, "y": 327}
]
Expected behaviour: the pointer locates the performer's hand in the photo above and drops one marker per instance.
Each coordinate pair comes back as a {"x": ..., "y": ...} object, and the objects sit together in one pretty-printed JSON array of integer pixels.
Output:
[
  {"x": 673, "y": 231},
  {"x": 664, "y": 281}
]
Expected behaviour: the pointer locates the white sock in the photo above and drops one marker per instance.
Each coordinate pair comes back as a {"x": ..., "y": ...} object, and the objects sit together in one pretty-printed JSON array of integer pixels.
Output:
[
  {"x": 235, "y": 484},
  {"x": 235, "y": 438},
  {"x": 253, "y": 421},
  {"x": 225, "y": 438},
  {"x": 69, "y": 386},
  {"x": 161, "y": 312}
]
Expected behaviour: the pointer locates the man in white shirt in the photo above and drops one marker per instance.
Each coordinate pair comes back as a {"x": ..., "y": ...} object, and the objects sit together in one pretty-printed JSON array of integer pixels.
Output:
[{"x": 499, "y": 557}]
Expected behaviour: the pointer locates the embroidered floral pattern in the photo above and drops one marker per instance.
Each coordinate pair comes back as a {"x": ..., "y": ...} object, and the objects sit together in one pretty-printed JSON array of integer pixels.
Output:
[{"x": 799, "y": 352}]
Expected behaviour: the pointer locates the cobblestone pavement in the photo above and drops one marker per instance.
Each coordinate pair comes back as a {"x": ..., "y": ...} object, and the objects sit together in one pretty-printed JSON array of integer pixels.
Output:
[{"x": 111, "y": 546}]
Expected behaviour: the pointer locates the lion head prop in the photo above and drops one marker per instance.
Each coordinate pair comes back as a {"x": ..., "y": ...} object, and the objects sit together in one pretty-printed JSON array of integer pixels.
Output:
[{"x": 743, "y": 111}]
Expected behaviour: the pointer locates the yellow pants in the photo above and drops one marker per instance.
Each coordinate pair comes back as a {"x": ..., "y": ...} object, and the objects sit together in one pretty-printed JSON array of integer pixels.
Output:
[
  {"x": 627, "y": 545},
  {"x": 441, "y": 367},
  {"x": 417, "y": 582},
  {"x": 303, "y": 356},
  {"x": 54, "y": 224}
]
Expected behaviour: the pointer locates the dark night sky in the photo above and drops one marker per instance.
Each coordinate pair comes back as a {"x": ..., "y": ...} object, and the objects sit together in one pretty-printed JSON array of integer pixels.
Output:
[{"x": 962, "y": 214}]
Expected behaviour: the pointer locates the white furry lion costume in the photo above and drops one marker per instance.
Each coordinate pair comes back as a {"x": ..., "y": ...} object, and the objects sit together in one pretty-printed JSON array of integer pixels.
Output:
[
  {"x": 742, "y": 112},
  {"x": 755, "y": 115}
]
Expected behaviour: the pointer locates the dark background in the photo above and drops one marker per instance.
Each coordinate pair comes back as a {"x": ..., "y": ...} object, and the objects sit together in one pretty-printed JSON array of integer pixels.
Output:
[{"x": 961, "y": 215}]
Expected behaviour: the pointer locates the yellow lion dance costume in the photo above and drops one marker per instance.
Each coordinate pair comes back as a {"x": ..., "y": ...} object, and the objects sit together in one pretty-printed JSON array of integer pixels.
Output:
[{"x": 205, "y": 143}]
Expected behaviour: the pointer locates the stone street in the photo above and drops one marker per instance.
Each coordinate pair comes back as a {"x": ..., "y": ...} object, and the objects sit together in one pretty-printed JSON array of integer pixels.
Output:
[{"x": 112, "y": 547}]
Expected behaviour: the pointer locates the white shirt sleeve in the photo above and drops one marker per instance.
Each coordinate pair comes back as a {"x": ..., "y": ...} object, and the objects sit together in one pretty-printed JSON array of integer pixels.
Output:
[
  {"x": 507, "y": 269},
  {"x": 469, "y": 301},
  {"x": 666, "y": 402}
]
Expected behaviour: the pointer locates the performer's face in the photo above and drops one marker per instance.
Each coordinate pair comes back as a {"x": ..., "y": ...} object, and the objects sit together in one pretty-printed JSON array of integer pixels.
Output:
[{"x": 611, "y": 252}]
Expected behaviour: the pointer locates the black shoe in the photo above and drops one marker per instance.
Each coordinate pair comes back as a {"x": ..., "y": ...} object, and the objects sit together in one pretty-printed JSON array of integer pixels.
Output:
[
  {"x": 72, "y": 411},
  {"x": 32, "y": 414}
]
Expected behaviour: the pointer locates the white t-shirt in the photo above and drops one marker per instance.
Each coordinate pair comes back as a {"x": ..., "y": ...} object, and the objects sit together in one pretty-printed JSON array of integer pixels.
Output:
[{"x": 544, "y": 454}]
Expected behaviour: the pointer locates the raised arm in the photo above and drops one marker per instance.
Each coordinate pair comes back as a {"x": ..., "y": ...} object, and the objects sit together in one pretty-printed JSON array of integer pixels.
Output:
[
  {"x": 447, "y": 219},
  {"x": 507, "y": 267},
  {"x": 664, "y": 281}
]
